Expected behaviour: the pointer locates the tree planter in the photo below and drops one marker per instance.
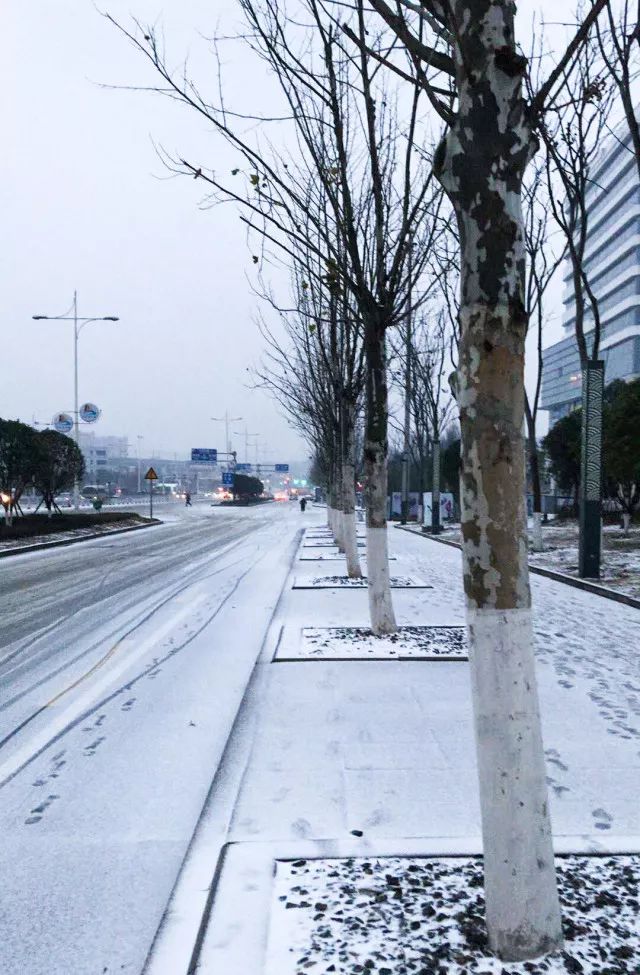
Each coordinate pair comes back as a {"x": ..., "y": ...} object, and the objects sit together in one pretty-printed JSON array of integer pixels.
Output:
[{"x": 413, "y": 915}]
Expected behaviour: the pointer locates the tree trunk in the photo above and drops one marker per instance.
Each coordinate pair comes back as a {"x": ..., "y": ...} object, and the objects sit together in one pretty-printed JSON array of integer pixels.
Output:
[
  {"x": 534, "y": 470},
  {"x": 375, "y": 466},
  {"x": 481, "y": 164},
  {"x": 626, "y": 522},
  {"x": 522, "y": 906},
  {"x": 340, "y": 508},
  {"x": 349, "y": 535},
  {"x": 330, "y": 503},
  {"x": 435, "y": 488}
]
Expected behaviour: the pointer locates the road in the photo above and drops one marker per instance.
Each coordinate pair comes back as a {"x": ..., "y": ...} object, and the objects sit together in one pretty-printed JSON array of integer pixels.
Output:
[{"x": 122, "y": 663}]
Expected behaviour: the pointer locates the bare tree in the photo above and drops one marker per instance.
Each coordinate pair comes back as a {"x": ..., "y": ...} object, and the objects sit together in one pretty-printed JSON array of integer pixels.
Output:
[
  {"x": 358, "y": 150},
  {"x": 619, "y": 43},
  {"x": 467, "y": 49},
  {"x": 322, "y": 391},
  {"x": 572, "y": 132},
  {"x": 431, "y": 405},
  {"x": 542, "y": 264}
]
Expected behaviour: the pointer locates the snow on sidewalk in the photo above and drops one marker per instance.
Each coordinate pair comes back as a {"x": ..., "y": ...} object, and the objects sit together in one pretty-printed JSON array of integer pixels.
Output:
[
  {"x": 387, "y": 748},
  {"x": 380, "y": 754}
]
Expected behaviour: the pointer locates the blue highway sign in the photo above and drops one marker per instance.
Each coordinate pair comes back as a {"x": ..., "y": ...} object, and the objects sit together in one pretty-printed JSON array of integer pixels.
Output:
[
  {"x": 282, "y": 468},
  {"x": 227, "y": 478},
  {"x": 204, "y": 455}
]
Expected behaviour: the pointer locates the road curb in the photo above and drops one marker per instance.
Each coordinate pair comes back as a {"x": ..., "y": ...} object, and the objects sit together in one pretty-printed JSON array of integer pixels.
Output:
[
  {"x": 41, "y": 546},
  {"x": 618, "y": 597}
]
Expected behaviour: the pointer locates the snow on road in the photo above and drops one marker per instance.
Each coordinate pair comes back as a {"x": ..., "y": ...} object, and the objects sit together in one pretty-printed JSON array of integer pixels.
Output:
[{"x": 137, "y": 693}]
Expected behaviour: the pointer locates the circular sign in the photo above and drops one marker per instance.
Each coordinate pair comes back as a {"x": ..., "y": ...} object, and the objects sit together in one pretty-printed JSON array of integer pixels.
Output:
[
  {"x": 63, "y": 423},
  {"x": 89, "y": 412}
]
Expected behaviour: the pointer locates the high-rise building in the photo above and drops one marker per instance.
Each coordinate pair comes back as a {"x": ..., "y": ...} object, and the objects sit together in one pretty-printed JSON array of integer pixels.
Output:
[{"x": 612, "y": 264}]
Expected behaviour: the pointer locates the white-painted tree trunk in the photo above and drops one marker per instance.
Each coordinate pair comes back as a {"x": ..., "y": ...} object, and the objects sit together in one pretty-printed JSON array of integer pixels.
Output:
[
  {"x": 339, "y": 532},
  {"x": 537, "y": 531},
  {"x": 481, "y": 163},
  {"x": 517, "y": 841},
  {"x": 349, "y": 532},
  {"x": 375, "y": 465},
  {"x": 332, "y": 516},
  {"x": 381, "y": 612},
  {"x": 523, "y": 917},
  {"x": 354, "y": 569},
  {"x": 626, "y": 522}
]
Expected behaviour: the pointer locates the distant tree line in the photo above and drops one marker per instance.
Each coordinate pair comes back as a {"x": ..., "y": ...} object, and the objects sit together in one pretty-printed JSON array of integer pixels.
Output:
[{"x": 44, "y": 459}]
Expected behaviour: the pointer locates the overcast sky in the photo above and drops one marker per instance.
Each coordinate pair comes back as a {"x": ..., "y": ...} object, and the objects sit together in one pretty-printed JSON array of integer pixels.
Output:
[{"x": 85, "y": 204}]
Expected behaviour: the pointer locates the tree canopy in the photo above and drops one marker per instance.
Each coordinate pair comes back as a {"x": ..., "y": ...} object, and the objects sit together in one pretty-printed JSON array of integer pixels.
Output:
[{"x": 620, "y": 446}]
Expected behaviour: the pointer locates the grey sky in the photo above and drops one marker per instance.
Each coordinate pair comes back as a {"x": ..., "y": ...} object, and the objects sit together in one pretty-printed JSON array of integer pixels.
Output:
[{"x": 85, "y": 205}]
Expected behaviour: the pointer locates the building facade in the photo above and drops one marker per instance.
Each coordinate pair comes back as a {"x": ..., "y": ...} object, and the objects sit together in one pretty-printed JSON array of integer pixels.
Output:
[
  {"x": 612, "y": 264},
  {"x": 101, "y": 454}
]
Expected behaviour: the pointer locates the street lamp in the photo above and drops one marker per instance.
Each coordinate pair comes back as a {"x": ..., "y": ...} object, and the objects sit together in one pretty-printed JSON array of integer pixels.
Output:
[
  {"x": 78, "y": 325},
  {"x": 246, "y": 435},
  {"x": 226, "y": 419}
]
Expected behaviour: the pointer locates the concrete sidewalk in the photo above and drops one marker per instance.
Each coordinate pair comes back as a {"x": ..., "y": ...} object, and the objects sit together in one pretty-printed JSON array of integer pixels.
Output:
[{"x": 367, "y": 756}]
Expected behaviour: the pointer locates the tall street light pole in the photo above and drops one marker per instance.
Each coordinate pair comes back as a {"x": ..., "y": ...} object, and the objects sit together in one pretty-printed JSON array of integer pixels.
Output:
[
  {"x": 246, "y": 435},
  {"x": 78, "y": 325},
  {"x": 226, "y": 419}
]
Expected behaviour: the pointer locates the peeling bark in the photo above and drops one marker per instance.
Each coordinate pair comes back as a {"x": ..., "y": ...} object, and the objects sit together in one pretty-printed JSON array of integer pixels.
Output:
[{"x": 481, "y": 164}]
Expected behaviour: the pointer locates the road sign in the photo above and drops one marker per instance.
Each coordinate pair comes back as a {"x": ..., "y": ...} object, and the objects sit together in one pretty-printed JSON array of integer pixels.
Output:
[
  {"x": 63, "y": 423},
  {"x": 89, "y": 412},
  {"x": 227, "y": 478},
  {"x": 151, "y": 476},
  {"x": 243, "y": 467},
  {"x": 204, "y": 455},
  {"x": 282, "y": 468}
]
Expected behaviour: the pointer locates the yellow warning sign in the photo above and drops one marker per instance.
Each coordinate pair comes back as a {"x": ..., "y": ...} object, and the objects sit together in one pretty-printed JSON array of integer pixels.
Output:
[{"x": 151, "y": 475}]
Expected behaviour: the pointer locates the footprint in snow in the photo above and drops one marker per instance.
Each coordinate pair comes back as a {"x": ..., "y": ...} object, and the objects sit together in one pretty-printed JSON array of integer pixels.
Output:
[
  {"x": 91, "y": 749},
  {"x": 602, "y": 819},
  {"x": 38, "y": 811}
]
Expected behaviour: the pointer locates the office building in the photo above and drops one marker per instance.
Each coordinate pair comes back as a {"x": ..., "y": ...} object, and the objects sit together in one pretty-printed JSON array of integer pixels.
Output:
[
  {"x": 101, "y": 453},
  {"x": 612, "y": 264}
]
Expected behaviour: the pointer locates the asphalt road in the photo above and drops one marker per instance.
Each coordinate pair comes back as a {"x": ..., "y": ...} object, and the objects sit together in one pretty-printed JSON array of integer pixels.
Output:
[
  {"x": 63, "y": 582},
  {"x": 122, "y": 664}
]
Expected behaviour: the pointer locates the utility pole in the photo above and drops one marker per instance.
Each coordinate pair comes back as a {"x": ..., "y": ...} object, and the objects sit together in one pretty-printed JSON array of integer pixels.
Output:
[
  {"x": 246, "y": 441},
  {"x": 78, "y": 325},
  {"x": 226, "y": 419},
  {"x": 404, "y": 509}
]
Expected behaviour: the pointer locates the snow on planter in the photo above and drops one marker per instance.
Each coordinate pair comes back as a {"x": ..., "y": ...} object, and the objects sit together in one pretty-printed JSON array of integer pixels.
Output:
[
  {"x": 328, "y": 544},
  {"x": 333, "y": 557},
  {"x": 359, "y": 643},
  {"x": 404, "y": 915},
  {"x": 344, "y": 582}
]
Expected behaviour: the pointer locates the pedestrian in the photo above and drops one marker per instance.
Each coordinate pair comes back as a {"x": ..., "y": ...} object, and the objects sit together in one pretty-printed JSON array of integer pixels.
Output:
[
  {"x": 187, "y": 499},
  {"x": 303, "y": 504}
]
